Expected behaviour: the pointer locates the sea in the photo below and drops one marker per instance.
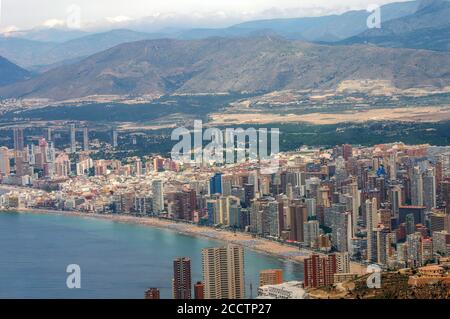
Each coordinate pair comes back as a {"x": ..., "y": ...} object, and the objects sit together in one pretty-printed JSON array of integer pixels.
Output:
[{"x": 116, "y": 260}]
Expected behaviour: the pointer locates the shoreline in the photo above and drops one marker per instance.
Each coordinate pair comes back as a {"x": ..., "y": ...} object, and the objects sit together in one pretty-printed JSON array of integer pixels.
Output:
[{"x": 247, "y": 241}]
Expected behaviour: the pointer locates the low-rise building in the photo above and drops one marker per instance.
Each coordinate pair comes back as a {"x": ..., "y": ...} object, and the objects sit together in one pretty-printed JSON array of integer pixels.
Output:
[{"x": 287, "y": 290}]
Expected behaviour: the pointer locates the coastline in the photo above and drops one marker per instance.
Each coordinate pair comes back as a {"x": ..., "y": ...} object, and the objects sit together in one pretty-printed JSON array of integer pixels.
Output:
[
  {"x": 247, "y": 241},
  {"x": 264, "y": 246}
]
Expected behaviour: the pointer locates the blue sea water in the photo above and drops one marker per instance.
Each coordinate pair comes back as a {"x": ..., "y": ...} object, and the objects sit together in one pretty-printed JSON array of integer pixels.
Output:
[{"x": 117, "y": 260}]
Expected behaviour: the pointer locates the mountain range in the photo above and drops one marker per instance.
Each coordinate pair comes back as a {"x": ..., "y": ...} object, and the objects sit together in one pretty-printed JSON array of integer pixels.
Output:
[
  {"x": 329, "y": 28},
  {"x": 42, "y": 50},
  {"x": 428, "y": 28},
  {"x": 411, "y": 49},
  {"x": 11, "y": 73},
  {"x": 47, "y": 34},
  {"x": 255, "y": 64},
  {"x": 35, "y": 55}
]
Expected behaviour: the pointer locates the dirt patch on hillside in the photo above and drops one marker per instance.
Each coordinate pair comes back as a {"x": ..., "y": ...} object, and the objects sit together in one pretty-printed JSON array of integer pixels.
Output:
[{"x": 416, "y": 114}]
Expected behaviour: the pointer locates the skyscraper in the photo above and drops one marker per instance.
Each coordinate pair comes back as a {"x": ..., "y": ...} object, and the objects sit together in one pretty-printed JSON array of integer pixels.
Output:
[
  {"x": 249, "y": 194},
  {"x": 223, "y": 272},
  {"x": 311, "y": 231},
  {"x": 429, "y": 189},
  {"x": 439, "y": 221},
  {"x": 441, "y": 242},
  {"x": 158, "y": 196},
  {"x": 138, "y": 167},
  {"x": 253, "y": 179},
  {"x": 73, "y": 141},
  {"x": 272, "y": 218},
  {"x": 234, "y": 212},
  {"x": 356, "y": 203},
  {"x": 311, "y": 205},
  {"x": 396, "y": 199},
  {"x": 62, "y": 165},
  {"x": 414, "y": 250},
  {"x": 49, "y": 134},
  {"x": 5, "y": 167},
  {"x": 18, "y": 139},
  {"x": 347, "y": 151},
  {"x": 393, "y": 166},
  {"x": 417, "y": 187},
  {"x": 371, "y": 223},
  {"x": 410, "y": 224},
  {"x": 182, "y": 282},
  {"x": 298, "y": 215},
  {"x": 319, "y": 271},
  {"x": 215, "y": 184},
  {"x": 341, "y": 230},
  {"x": 86, "y": 139},
  {"x": 383, "y": 242}
]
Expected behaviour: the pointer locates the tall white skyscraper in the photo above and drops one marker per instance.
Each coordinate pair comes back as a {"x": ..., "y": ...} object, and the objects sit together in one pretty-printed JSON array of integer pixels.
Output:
[
  {"x": 223, "y": 272},
  {"x": 371, "y": 224},
  {"x": 85, "y": 139},
  {"x": 417, "y": 187},
  {"x": 356, "y": 203},
  {"x": 383, "y": 241},
  {"x": 311, "y": 230},
  {"x": 73, "y": 141},
  {"x": 393, "y": 166},
  {"x": 49, "y": 134},
  {"x": 429, "y": 189}
]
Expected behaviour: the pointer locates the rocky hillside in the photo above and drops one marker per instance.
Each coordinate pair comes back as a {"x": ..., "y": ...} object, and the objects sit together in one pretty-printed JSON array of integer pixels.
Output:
[
  {"x": 257, "y": 64},
  {"x": 10, "y": 73}
]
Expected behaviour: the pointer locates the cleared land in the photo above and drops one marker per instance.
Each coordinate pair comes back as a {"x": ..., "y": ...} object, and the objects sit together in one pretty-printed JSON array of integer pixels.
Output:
[{"x": 405, "y": 114}]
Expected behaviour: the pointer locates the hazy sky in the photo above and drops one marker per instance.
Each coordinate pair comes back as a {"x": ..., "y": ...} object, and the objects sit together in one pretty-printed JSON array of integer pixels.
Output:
[{"x": 25, "y": 14}]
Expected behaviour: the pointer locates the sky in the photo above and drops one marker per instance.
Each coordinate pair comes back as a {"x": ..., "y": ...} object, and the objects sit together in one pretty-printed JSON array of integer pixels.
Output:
[{"x": 97, "y": 14}]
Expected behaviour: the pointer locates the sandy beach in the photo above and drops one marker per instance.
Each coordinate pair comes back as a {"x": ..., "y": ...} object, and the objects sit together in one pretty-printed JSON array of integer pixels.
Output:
[{"x": 265, "y": 246}]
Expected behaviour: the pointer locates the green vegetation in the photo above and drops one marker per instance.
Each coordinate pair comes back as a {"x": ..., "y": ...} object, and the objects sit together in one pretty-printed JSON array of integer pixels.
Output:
[
  {"x": 395, "y": 286},
  {"x": 294, "y": 136},
  {"x": 194, "y": 107}
]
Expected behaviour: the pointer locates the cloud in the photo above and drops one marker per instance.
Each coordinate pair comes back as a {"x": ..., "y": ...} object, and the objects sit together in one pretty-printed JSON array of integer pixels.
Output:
[
  {"x": 54, "y": 23},
  {"x": 154, "y": 15},
  {"x": 118, "y": 19},
  {"x": 9, "y": 29}
]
